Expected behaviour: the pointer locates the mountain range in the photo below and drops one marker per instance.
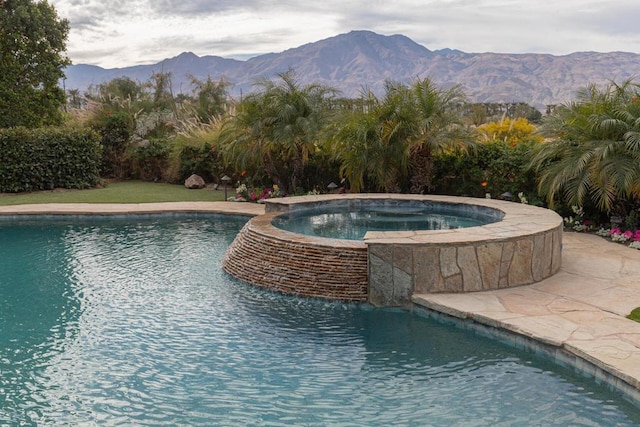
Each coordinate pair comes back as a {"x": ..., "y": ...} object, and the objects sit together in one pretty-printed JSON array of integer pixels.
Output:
[{"x": 365, "y": 60}]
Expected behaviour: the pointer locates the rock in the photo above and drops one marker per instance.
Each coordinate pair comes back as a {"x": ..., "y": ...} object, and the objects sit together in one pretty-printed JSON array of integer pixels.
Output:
[{"x": 194, "y": 182}]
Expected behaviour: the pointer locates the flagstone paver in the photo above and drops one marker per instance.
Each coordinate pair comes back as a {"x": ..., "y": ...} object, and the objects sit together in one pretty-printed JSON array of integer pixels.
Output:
[{"x": 581, "y": 309}]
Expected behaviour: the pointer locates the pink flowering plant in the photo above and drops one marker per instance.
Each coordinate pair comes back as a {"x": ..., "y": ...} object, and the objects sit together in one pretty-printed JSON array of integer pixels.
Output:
[
  {"x": 246, "y": 194},
  {"x": 619, "y": 236}
]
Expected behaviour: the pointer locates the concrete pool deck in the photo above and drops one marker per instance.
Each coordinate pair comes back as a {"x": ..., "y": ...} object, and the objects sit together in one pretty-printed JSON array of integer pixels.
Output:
[{"x": 580, "y": 310}]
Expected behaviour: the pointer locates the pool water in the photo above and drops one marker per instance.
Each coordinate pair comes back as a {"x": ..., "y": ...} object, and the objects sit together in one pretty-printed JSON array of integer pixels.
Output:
[
  {"x": 133, "y": 322},
  {"x": 353, "y": 224}
]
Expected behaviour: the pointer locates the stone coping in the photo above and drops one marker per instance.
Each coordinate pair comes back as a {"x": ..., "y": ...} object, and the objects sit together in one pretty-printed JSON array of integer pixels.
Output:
[
  {"x": 518, "y": 220},
  {"x": 232, "y": 208}
]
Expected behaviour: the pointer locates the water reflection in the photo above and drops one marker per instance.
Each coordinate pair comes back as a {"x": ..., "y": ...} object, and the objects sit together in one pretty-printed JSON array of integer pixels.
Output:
[
  {"x": 148, "y": 330},
  {"x": 353, "y": 224},
  {"x": 39, "y": 312}
]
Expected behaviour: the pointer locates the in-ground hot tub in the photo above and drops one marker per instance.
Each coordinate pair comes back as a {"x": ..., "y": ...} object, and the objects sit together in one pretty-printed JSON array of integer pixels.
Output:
[
  {"x": 516, "y": 245},
  {"x": 354, "y": 220}
]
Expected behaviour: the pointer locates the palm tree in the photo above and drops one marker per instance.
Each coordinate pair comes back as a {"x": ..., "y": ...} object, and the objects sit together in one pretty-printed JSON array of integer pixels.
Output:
[
  {"x": 437, "y": 127},
  {"x": 279, "y": 127},
  {"x": 594, "y": 148},
  {"x": 389, "y": 144},
  {"x": 74, "y": 99},
  {"x": 371, "y": 145}
]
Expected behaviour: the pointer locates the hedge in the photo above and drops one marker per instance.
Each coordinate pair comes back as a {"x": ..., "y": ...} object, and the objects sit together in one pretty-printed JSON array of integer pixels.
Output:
[
  {"x": 48, "y": 158},
  {"x": 495, "y": 168}
]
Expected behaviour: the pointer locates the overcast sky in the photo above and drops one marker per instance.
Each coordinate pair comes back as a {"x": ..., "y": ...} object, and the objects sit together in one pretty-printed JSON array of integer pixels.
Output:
[{"x": 122, "y": 33}]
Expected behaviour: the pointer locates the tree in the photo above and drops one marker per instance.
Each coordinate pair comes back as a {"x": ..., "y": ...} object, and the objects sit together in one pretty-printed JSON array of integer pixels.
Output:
[
  {"x": 279, "y": 126},
  {"x": 32, "y": 42},
  {"x": 477, "y": 114},
  {"x": 117, "y": 91},
  {"x": 212, "y": 99},
  {"x": 389, "y": 143},
  {"x": 437, "y": 126},
  {"x": 371, "y": 154},
  {"x": 74, "y": 99},
  {"x": 162, "y": 92},
  {"x": 593, "y": 154}
]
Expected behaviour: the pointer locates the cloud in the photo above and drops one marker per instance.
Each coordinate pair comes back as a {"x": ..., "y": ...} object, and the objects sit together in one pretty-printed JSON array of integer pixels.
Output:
[
  {"x": 146, "y": 31},
  {"x": 198, "y": 7}
]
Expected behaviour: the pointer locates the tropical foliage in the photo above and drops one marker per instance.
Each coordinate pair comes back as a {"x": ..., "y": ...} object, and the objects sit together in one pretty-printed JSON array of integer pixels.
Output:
[
  {"x": 593, "y": 152},
  {"x": 388, "y": 143},
  {"x": 495, "y": 169},
  {"x": 150, "y": 133},
  {"x": 277, "y": 128}
]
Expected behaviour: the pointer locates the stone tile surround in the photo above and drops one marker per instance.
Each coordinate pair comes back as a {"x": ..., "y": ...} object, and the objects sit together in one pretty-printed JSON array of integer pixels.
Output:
[{"x": 574, "y": 318}]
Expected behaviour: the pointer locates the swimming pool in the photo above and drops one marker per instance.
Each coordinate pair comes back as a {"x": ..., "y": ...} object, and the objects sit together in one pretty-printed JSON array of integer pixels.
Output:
[{"x": 132, "y": 321}]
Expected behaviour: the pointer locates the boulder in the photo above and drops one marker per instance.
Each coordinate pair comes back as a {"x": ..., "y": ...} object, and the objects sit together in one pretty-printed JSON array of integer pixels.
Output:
[{"x": 194, "y": 181}]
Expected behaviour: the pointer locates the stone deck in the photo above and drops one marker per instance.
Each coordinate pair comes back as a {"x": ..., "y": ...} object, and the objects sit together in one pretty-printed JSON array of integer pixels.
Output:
[
  {"x": 245, "y": 209},
  {"x": 580, "y": 311}
]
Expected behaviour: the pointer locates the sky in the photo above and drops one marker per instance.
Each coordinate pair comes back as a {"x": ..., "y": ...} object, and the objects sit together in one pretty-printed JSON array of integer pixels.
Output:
[{"x": 122, "y": 33}]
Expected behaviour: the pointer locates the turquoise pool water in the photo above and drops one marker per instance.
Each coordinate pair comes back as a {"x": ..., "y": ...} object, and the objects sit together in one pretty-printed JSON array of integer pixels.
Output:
[
  {"x": 133, "y": 322},
  {"x": 353, "y": 224}
]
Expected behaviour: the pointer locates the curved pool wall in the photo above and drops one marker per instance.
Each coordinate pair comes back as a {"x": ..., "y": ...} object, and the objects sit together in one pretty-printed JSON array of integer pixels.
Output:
[
  {"x": 387, "y": 267},
  {"x": 269, "y": 257}
]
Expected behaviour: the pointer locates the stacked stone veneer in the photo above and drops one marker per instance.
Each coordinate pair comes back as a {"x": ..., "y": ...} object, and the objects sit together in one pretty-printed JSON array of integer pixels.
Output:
[
  {"x": 266, "y": 256},
  {"x": 522, "y": 246}
]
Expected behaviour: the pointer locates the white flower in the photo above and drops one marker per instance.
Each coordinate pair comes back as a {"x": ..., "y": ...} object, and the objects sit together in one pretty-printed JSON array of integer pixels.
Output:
[
  {"x": 522, "y": 198},
  {"x": 619, "y": 238}
]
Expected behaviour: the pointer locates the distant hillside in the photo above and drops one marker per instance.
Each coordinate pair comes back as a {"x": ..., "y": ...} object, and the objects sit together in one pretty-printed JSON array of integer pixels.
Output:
[{"x": 363, "y": 59}]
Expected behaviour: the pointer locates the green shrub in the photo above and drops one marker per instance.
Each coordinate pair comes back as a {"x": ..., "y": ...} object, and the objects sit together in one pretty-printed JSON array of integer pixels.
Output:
[
  {"x": 195, "y": 151},
  {"x": 116, "y": 129},
  {"x": 634, "y": 315},
  {"x": 495, "y": 168},
  {"x": 150, "y": 159},
  {"x": 202, "y": 160},
  {"x": 48, "y": 158}
]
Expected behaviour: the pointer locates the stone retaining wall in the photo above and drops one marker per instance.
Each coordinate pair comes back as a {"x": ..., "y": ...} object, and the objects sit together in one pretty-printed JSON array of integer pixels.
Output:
[{"x": 301, "y": 265}]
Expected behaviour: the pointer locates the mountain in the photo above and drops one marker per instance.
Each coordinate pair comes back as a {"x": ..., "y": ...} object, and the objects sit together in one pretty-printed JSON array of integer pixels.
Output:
[{"x": 363, "y": 59}]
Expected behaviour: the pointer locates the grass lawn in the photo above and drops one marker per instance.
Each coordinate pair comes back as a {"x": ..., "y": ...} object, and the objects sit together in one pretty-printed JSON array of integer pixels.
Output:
[{"x": 118, "y": 192}]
